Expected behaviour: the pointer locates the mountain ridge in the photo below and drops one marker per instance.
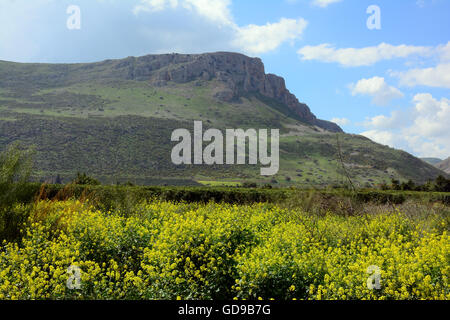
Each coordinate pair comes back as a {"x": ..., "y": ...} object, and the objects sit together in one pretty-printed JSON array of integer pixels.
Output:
[
  {"x": 113, "y": 119},
  {"x": 237, "y": 73},
  {"x": 444, "y": 165},
  {"x": 432, "y": 161}
]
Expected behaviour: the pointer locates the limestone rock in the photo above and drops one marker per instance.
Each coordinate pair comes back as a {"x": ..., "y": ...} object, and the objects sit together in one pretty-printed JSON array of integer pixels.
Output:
[{"x": 237, "y": 73}]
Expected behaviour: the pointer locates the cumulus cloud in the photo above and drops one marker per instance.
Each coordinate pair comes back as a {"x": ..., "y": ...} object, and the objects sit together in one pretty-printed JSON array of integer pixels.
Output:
[
  {"x": 251, "y": 39},
  {"x": 396, "y": 120},
  {"x": 356, "y": 57},
  {"x": 433, "y": 116},
  {"x": 383, "y": 137},
  {"x": 443, "y": 52},
  {"x": 139, "y": 26},
  {"x": 438, "y": 76},
  {"x": 377, "y": 88},
  {"x": 425, "y": 132},
  {"x": 259, "y": 39},
  {"x": 214, "y": 10},
  {"x": 341, "y": 121}
]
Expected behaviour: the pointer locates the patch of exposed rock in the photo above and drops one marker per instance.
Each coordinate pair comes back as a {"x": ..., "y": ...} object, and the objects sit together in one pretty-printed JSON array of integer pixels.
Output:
[{"x": 238, "y": 73}]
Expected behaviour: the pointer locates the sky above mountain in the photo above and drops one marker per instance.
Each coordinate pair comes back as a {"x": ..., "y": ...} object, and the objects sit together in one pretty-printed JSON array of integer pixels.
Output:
[{"x": 388, "y": 79}]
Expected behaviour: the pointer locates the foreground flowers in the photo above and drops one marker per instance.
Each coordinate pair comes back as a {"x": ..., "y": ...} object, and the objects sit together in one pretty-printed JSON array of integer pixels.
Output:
[{"x": 162, "y": 250}]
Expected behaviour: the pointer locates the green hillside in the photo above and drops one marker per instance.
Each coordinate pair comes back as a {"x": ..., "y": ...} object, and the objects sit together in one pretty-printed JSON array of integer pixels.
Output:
[{"x": 114, "y": 119}]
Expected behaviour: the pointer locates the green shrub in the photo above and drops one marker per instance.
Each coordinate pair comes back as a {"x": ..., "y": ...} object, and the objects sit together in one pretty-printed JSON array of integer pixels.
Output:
[{"x": 15, "y": 169}]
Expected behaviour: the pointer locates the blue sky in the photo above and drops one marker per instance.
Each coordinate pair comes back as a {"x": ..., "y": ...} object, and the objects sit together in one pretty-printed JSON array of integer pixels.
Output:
[{"x": 390, "y": 84}]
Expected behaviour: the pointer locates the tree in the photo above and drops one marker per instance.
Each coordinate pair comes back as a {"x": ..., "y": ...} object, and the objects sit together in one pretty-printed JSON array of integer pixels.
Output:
[
  {"x": 58, "y": 179},
  {"x": 395, "y": 184},
  {"x": 249, "y": 185},
  {"x": 442, "y": 184},
  {"x": 16, "y": 163},
  {"x": 408, "y": 186},
  {"x": 84, "y": 179}
]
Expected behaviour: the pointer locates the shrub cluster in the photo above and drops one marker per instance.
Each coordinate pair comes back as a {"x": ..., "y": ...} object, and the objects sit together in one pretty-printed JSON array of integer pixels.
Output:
[
  {"x": 440, "y": 184},
  {"x": 164, "y": 250}
]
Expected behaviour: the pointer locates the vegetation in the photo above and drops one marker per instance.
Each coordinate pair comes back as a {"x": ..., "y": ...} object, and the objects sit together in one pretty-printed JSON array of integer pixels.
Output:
[
  {"x": 91, "y": 118},
  {"x": 84, "y": 179},
  {"x": 244, "y": 237},
  {"x": 15, "y": 169},
  {"x": 440, "y": 184},
  {"x": 132, "y": 242},
  {"x": 165, "y": 250}
]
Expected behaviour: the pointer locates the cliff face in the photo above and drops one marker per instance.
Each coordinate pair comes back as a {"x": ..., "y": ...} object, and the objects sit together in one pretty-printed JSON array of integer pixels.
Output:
[{"x": 238, "y": 73}]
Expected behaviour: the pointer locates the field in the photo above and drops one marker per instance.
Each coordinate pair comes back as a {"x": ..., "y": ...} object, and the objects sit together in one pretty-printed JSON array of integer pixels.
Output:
[{"x": 299, "y": 246}]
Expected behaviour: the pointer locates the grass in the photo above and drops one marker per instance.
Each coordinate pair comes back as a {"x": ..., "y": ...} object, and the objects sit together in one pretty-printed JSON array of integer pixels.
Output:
[
  {"x": 102, "y": 147},
  {"x": 216, "y": 183},
  {"x": 90, "y": 118}
]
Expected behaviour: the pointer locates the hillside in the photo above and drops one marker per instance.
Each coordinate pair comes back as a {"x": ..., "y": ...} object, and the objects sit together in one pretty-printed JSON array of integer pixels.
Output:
[
  {"x": 444, "y": 165},
  {"x": 113, "y": 120},
  {"x": 432, "y": 161}
]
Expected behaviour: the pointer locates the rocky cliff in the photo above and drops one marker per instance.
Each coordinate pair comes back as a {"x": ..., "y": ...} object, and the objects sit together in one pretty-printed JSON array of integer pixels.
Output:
[{"x": 238, "y": 73}]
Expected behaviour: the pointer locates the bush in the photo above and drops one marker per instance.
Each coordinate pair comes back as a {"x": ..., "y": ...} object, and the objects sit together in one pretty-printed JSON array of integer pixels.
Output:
[
  {"x": 15, "y": 169},
  {"x": 164, "y": 250},
  {"x": 84, "y": 179}
]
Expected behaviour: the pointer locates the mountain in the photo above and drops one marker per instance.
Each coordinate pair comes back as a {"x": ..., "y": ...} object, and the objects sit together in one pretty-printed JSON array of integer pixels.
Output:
[
  {"x": 444, "y": 165},
  {"x": 432, "y": 161},
  {"x": 113, "y": 119}
]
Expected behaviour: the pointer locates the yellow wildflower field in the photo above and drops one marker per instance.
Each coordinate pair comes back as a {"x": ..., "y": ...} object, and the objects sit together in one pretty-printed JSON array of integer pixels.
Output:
[{"x": 164, "y": 250}]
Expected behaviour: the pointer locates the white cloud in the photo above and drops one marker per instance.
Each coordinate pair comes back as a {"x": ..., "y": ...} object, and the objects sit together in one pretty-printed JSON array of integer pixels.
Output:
[
  {"x": 433, "y": 116},
  {"x": 251, "y": 39},
  {"x": 341, "y": 121},
  {"x": 444, "y": 52},
  {"x": 396, "y": 120},
  {"x": 355, "y": 57},
  {"x": 438, "y": 76},
  {"x": 377, "y": 88},
  {"x": 383, "y": 137},
  {"x": 217, "y": 11},
  {"x": 425, "y": 132},
  {"x": 324, "y": 3},
  {"x": 258, "y": 39}
]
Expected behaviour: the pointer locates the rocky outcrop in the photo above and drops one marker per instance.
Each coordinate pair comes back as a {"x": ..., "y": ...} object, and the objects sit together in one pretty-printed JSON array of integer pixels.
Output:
[{"x": 237, "y": 73}]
